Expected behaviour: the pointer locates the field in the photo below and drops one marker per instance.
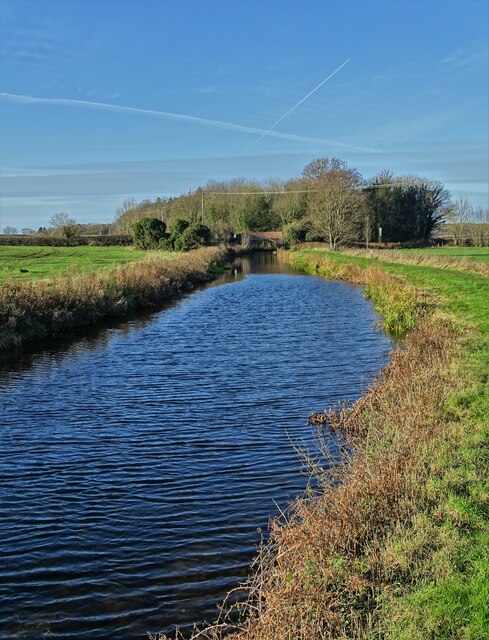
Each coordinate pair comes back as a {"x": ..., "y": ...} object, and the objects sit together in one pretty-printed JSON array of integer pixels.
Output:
[
  {"x": 46, "y": 262},
  {"x": 464, "y": 253}
]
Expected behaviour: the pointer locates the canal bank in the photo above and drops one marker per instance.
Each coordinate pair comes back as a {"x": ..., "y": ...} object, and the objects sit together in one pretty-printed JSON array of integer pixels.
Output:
[
  {"x": 138, "y": 465},
  {"x": 35, "y": 310},
  {"x": 396, "y": 545}
]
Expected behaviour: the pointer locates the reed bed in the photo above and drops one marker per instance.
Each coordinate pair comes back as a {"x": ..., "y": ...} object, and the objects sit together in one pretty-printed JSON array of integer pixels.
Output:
[{"x": 31, "y": 310}]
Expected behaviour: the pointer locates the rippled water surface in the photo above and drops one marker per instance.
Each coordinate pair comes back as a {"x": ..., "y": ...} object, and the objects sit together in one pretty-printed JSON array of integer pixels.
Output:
[{"x": 137, "y": 465}]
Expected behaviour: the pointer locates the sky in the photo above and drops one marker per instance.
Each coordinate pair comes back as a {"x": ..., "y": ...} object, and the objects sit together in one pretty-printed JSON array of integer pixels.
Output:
[{"x": 101, "y": 100}]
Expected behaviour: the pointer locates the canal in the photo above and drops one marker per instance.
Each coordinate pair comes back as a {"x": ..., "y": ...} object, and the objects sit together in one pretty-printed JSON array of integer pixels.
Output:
[{"x": 139, "y": 466}]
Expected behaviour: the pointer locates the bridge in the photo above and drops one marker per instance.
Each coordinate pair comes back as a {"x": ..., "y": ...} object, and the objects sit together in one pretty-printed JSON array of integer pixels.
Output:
[{"x": 255, "y": 237}]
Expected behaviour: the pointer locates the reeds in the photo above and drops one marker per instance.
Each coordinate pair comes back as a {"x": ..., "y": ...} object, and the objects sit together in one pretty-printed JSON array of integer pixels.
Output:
[{"x": 32, "y": 310}]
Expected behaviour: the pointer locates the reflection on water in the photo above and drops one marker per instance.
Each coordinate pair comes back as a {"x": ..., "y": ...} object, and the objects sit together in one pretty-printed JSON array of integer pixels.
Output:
[{"x": 137, "y": 463}]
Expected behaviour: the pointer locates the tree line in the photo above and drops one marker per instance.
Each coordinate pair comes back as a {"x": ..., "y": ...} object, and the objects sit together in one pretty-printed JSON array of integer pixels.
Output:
[{"x": 329, "y": 202}]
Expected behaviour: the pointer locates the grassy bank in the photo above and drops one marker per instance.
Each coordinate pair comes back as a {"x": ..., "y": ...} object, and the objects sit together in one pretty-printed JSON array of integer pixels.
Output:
[
  {"x": 47, "y": 262},
  {"x": 469, "y": 253},
  {"x": 471, "y": 260},
  {"x": 31, "y": 309},
  {"x": 396, "y": 543}
]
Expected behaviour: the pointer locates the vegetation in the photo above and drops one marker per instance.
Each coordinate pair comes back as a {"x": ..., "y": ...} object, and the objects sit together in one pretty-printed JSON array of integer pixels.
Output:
[
  {"x": 395, "y": 543},
  {"x": 41, "y": 240},
  {"x": 405, "y": 208},
  {"x": 148, "y": 233},
  {"x": 31, "y": 310},
  {"x": 329, "y": 202},
  {"x": 64, "y": 226},
  {"x": 467, "y": 223},
  {"x": 46, "y": 262}
]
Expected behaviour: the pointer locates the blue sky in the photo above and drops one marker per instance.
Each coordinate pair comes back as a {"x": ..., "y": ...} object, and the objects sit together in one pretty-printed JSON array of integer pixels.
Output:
[{"x": 93, "y": 93}]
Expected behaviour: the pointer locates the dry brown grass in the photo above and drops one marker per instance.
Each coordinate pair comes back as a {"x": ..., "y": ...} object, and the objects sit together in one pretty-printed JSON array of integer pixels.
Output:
[{"x": 31, "y": 310}]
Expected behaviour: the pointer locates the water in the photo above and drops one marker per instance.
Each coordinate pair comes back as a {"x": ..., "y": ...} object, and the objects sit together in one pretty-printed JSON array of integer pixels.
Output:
[{"x": 138, "y": 464}]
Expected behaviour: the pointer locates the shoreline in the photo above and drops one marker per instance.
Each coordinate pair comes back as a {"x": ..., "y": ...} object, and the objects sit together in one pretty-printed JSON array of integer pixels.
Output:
[
  {"x": 394, "y": 545},
  {"x": 33, "y": 310}
]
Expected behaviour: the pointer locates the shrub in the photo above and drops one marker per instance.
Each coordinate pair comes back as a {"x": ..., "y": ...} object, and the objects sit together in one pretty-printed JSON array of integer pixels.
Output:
[
  {"x": 296, "y": 232},
  {"x": 176, "y": 230},
  {"x": 194, "y": 236},
  {"x": 54, "y": 241},
  {"x": 148, "y": 232}
]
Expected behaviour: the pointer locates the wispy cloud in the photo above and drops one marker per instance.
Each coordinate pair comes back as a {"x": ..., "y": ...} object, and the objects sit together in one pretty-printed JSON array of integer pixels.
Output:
[
  {"x": 464, "y": 57},
  {"x": 228, "y": 126},
  {"x": 29, "y": 44}
]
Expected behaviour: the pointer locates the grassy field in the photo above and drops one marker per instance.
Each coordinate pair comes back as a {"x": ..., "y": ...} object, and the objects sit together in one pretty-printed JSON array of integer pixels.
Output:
[
  {"x": 398, "y": 549},
  {"x": 45, "y": 262},
  {"x": 472, "y": 253}
]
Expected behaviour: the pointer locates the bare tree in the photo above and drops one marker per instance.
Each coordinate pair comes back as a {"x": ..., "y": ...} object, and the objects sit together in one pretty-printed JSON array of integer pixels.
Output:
[
  {"x": 64, "y": 225},
  {"x": 458, "y": 216},
  {"x": 10, "y": 231},
  {"x": 335, "y": 203},
  {"x": 336, "y": 210},
  {"x": 479, "y": 227},
  {"x": 126, "y": 215}
]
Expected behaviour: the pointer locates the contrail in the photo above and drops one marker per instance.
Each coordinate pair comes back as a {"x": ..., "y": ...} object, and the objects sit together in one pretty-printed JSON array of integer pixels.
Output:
[
  {"x": 230, "y": 126},
  {"x": 269, "y": 131}
]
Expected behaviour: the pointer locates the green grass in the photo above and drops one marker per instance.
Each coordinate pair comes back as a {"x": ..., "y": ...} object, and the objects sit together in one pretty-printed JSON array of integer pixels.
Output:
[
  {"x": 473, "y": 253},
  {"x": 445, "y": 592},
  {"x": 46, "y": 262}
]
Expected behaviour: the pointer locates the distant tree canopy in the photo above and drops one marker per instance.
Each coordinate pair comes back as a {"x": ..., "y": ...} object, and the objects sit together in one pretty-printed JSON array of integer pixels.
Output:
[
  {"x": 405, "y": 208},
  {"x": 64, "y": 226},
  {"x": 329, "y": 201}
]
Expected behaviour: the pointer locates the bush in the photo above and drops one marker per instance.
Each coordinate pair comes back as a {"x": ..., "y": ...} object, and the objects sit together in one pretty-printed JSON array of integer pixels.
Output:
[
  {"x": 296, "y": 232},
  {"x": 176, "y": 230},
  {"x": 194, "y": 236},
  {"x": 148, "y": 232}
]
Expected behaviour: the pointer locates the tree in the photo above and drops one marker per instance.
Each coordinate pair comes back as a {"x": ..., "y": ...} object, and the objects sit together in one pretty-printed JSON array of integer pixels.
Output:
[
  {"x": 176, "y": 230},
  {"x": 10, "y": 231},
  {"x": 148, "y": 232},
  {"x": 194, "y": 236},
  {"x": 126, "y": 216},
  {"x": 458, "y": 216},
  {"x": 27, "y": 231},
  {"x": 406, "y": 208},
  {"x": 480, "y": 227},
  {"x": 335, "y": 203},
  {"x": 320, "y": 167},
  {"x": 64, "y": 225},
  {"x": 297, "y": 232}
]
